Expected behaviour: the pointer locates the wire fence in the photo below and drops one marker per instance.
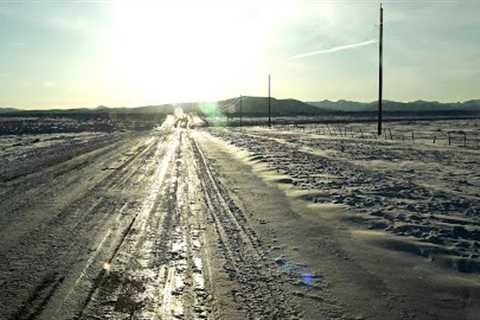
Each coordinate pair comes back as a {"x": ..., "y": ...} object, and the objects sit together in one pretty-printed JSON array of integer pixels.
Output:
[{"x": 459, "y": 138}]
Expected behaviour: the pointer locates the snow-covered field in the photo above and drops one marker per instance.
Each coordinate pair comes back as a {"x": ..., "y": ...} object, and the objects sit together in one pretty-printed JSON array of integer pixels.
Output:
[
  {"x": 425, "y": 191},
  {"x": 181, "y": 222},
  {"x": 24, "y": 154}
]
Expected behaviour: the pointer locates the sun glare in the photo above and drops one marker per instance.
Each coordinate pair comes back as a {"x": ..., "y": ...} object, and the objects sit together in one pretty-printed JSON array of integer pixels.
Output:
[{"x": 183, "y": 49}]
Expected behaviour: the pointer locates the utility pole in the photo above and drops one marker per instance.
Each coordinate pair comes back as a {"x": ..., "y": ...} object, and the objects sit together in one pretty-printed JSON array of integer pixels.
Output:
[
  {"x": 380, "y": 74},
  {"x": 269, "y": 104},
  {"x": 241, "y": 111}
]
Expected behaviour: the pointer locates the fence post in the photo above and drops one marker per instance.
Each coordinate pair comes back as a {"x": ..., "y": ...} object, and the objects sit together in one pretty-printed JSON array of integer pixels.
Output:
[
  {"x": 413, "y": 136},
  {"x": 390, "y": 131},
  {"x": 449, "y": 139},
  {"x": 434, "y": 139}
]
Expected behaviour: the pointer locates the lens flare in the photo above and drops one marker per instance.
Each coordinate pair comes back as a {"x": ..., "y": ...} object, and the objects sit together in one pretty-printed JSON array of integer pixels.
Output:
[{"x": 107, "y": 266}]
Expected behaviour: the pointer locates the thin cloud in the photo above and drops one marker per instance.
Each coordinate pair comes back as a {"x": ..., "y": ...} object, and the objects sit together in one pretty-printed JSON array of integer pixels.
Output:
[
  {"x": 49, "y": 84},
  {"x": 18, "y": 44},
  {"x": 335, "y": 49},
  {"x": 76, "y": 24}
]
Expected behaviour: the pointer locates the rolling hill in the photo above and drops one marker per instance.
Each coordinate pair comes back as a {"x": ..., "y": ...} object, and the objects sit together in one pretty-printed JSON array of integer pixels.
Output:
[
  {"x": 7, "y": 110},
  {"x": 259, "y": 106}
]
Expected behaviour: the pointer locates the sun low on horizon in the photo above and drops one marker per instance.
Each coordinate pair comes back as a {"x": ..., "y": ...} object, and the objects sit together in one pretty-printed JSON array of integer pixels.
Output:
[
  {"x": 131, "y": 53},
  {"x": 183, "y": 50}
]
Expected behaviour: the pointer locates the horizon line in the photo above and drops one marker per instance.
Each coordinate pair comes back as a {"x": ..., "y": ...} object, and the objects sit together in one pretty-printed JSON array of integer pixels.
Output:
[{"x": 214, "y": 101}]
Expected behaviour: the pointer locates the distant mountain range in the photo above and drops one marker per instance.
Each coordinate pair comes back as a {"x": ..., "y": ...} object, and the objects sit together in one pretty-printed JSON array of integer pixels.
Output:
[
  {"x": 259, "y": 105},
  {"x": 255, "y": 106},
  {"x": 247, "y": 105},
  {"x": 393, "y": 106},
  {"x": 5, "y": 110}
]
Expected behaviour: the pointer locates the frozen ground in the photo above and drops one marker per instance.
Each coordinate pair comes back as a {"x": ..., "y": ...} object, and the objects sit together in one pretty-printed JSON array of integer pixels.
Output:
[
  {"x": 427, "y": 192},
  {"x": 188, "y": 223},
  {"x": 127, "y": 226},
  {"x": 24, "y": 154}
]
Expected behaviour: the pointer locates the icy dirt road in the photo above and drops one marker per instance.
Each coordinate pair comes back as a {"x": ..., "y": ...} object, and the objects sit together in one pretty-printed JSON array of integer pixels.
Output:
[{"x": 129, "y": 228}]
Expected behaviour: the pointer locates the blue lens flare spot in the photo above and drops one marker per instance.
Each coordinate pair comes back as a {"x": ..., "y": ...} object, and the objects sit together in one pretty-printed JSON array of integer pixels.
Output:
[{"x": 307, "y": 279}]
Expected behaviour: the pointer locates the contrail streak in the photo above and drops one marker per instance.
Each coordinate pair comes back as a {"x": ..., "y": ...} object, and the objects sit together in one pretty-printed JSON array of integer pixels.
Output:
[{"x": 335, "y": 49}]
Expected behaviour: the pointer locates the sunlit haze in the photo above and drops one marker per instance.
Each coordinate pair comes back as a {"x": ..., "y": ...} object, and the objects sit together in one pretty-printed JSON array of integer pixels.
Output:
[{"x": 132, "y": 53}]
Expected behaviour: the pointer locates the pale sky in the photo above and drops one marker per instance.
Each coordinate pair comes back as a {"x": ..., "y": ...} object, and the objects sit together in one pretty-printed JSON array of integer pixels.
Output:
[{"x": 131, "y": 53}]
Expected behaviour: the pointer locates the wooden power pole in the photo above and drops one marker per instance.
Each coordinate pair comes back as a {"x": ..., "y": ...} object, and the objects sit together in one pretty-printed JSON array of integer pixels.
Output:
[
  {"x": 380, "y": 74},
  {"x": 269, "y": 104},
  {"x": 241, "y": 111}
]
